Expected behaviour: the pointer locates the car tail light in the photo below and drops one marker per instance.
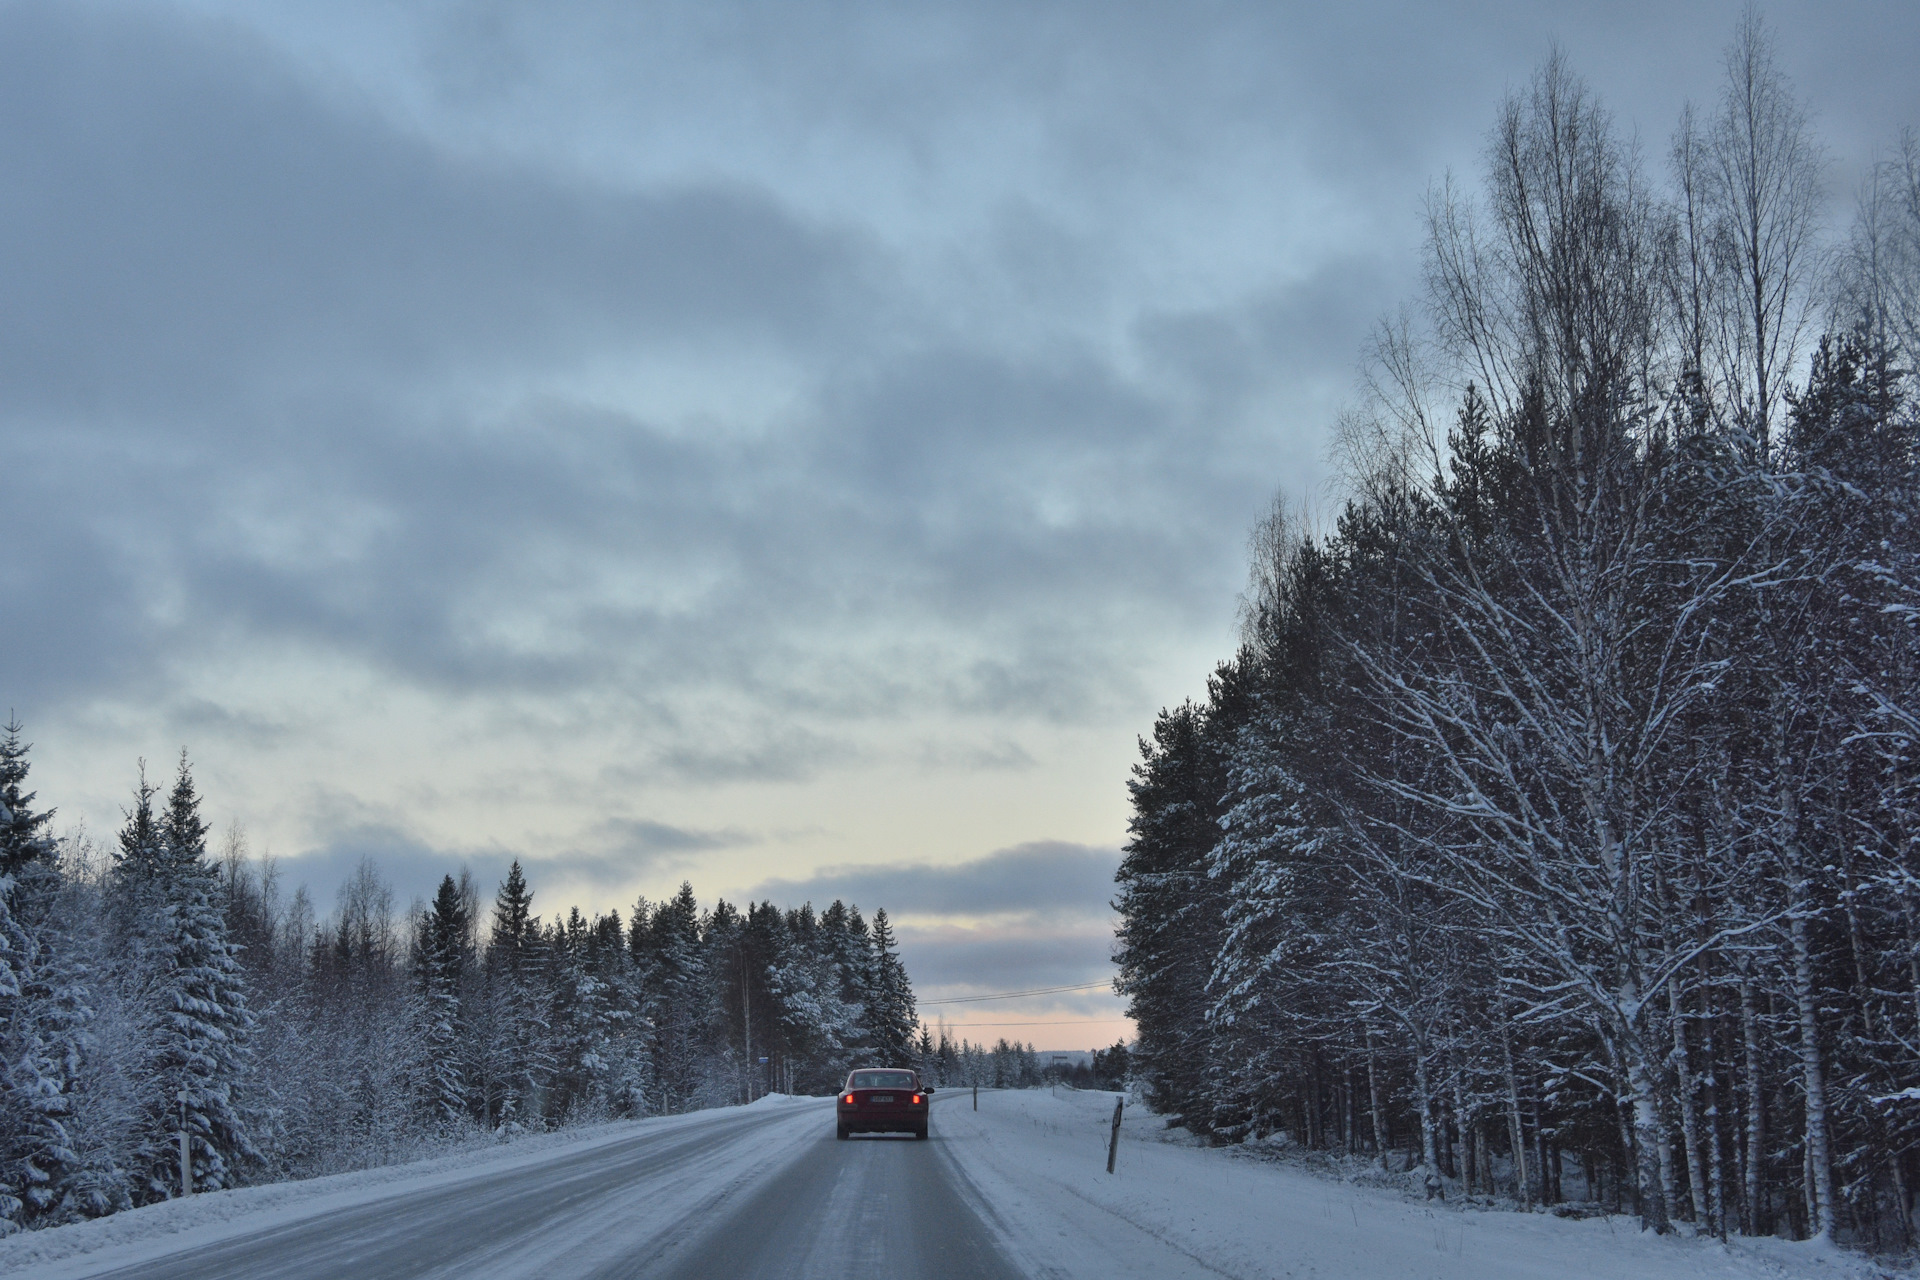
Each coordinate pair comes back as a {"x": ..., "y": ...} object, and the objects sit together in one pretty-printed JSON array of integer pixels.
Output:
[
  {"x": 916, "y": 1099},
  {"x": 848, "y": 1099}
]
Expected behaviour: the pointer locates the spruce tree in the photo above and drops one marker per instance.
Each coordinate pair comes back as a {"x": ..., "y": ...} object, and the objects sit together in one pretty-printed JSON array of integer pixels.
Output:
[
  {"x": 626, "y": 1073},
  {"x": 520, "y": 1068},
  {"x": 140, "y": 847},
  {"x": 675, "y": 998},
  {"x": 890, "y": 1010},
  {"x": 849, "y": 947},
  {"x": 815, "y": 1025},
  {"x": 39, "y": 1018},
  {"x": 924, "y": 1053},
  {"x": 199, "y": 1023},
  {"x": 63, "y": 1178},
  {"x": 1170, "y": 908},
  {"x": 581, "y": 1019},
  {"x": 441, "y": 963},
  {"x": 23, "y": 832}
]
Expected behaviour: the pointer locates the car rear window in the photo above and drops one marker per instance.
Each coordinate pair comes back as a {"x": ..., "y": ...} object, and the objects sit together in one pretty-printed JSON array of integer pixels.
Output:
[{"x": 881, "y": 1080}]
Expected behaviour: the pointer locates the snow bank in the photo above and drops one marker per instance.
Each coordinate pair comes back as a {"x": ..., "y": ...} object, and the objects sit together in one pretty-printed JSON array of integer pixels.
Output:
[{"x": 1037, "y": 1164}]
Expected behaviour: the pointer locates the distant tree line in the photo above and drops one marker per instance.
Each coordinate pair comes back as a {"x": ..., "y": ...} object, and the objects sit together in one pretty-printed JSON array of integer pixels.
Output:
[
  {"x": 1007, "y": 1064},
  {"x": 1103, "y": 1069},
  {"x": 155, "y": 987},
  {"x": 1552, "y": 833}
]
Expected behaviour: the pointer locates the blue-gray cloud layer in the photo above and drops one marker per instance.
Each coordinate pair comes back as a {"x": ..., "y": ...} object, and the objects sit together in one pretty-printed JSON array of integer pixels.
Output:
[
  {"x": 1035, "y": 915},
  {"x": 1046, "y": 877},
  {"x": 735, "y": 375},
  {"x": 560, "y": 878},
  {"x": 279, "y": 371}
]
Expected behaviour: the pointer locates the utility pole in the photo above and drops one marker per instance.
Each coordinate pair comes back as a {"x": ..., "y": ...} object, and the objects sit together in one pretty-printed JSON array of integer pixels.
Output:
[
  {"x": 186, "y": 1149},
  {"x": 746, "y": 1020}
]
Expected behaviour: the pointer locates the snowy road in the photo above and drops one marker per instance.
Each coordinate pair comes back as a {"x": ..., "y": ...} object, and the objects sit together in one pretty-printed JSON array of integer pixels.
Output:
[
  {"x": 1018, "y": 1188},
  {"x": 739, "y": 1193},
  {"x": 884, "y": 1206}
]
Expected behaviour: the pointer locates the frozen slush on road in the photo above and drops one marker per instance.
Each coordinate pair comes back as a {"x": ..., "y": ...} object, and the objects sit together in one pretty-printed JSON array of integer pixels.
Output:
[{"x": 1018, "y": 1188}]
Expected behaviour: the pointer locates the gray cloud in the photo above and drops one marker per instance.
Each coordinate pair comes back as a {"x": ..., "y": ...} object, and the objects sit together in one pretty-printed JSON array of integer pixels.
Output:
[
  {"x": 220, "y": 284},
  {"x": 783, "y": 755},
  {"x": 412, "y": 867},
  {"x": 1050, "y": 877},
  {"x": 1047, "y": 923},
  {"x": 955, "y": 962},
  {"x": 1001, "y": 755},
  {"x": 191, "y": 217},
  {"x": 741, "y": 394},
  {"x": 250, "y": 322},
  {"x": 648, "y": 838}
]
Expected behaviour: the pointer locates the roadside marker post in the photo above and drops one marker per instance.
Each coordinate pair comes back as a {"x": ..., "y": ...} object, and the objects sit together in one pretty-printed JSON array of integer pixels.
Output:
[
  {"x": 1113, "y": 1143},
  {"x": 976, "y": 1097}
]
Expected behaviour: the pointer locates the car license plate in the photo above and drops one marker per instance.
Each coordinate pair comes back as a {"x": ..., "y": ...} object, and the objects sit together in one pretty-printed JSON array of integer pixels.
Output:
[{"x": 881, "y": 1097}]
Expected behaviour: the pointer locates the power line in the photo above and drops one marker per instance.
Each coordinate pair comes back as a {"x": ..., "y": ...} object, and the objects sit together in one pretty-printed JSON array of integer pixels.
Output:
[{"x": 1013, "y": 995}]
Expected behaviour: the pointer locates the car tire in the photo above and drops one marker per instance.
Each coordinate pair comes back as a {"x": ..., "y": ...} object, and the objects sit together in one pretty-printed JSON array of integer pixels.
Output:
[
  {"x": 920, "y": 1134},
  {"x": 840, "y": 1132}
]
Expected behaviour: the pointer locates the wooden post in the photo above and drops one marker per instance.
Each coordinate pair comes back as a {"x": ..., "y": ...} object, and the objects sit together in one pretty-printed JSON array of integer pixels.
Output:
[{"x": 1113, "y": 1143}]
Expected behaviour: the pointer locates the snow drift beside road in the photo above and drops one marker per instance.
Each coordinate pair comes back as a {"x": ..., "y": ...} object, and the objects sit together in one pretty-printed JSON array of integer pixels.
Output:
[{"x": 1037, "y": 1163}]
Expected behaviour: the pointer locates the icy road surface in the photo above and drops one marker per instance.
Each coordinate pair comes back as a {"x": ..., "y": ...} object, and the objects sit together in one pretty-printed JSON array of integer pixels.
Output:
[
  {"x": 1017, "y": 1189},
  {"x": 763, "y": 1191}
]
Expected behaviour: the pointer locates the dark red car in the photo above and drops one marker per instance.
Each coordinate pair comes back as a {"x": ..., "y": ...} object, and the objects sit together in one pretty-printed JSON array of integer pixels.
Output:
[{"x": 883, "y": 1100}]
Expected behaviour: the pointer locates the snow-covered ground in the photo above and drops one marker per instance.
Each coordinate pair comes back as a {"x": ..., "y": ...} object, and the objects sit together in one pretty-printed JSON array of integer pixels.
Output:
[
  {"x": 1037, "y": 1161},
  {"x": 676, "y": 1194}
]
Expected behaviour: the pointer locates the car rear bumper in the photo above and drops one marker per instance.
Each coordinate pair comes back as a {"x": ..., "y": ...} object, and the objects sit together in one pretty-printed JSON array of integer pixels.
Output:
[
  {"x": 868, "y": 1118},
  {"x": 884, "y": 1124}
]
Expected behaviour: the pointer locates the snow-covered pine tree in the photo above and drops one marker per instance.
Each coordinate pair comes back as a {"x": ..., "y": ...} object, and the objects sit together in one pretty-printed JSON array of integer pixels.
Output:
[
  {"x": 925, "y": 1056},
  {"x": 520, "y": 1057},
  {"x": 40, "y": 1008},
  {"x": 891, "y": 1018},
  {"x": 675, "y": 1002},
  {"x": 139, "y": 848},
  {"x": 641, "y": 969},
  {"x": 696, "y": 940},
  {"x": 792, "y": 983},
  {"x": 849, "y": 949},
  {"x": 58, "y": 1017},
  {"x": 23, "y": 830},
  {"x": 440, "y": 964},
  {"x": 198, "y": 1022},
  {"x": 735, "y": 1006},
  {"x": 946, "y": 1057},
  {"x": 1170, "y": 908},
  {"x": 626, "y": 1071},
  {"x": 581, "y": 1019}
]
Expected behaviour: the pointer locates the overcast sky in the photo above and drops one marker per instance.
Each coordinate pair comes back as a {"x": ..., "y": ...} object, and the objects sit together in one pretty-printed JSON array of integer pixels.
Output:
[{"x": 791, "y": 447}]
